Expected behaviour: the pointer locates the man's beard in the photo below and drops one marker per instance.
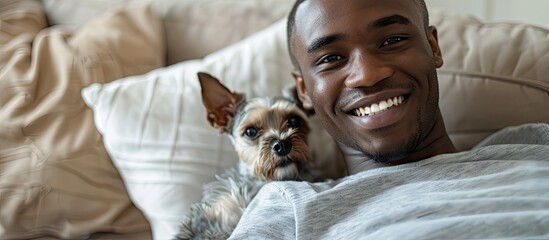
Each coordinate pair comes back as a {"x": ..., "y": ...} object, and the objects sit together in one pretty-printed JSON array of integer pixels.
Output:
[
  {"x": 396, "y": 154},
  {"x": 422, "y": 130}
]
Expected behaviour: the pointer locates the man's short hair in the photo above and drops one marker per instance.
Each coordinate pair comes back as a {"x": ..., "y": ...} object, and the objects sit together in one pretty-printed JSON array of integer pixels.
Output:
[{"x": 291, "y": 23}]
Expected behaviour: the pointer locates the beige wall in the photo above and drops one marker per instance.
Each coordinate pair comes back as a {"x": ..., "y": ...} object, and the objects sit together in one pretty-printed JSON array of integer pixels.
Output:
[{"x": 531, "y": 11}]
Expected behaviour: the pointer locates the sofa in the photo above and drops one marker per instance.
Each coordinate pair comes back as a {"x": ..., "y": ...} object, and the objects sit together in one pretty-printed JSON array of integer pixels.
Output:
[{"x": 102, "y": 131}]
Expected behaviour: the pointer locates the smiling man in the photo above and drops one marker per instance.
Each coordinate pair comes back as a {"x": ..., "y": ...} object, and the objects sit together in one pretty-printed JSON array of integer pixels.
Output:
[{"x": 368, "y": 70}]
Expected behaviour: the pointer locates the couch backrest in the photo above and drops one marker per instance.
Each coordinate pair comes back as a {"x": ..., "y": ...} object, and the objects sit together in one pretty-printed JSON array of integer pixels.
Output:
[
  {"x": 495, "y": 74},
  {"x": 193, "y": 28}
]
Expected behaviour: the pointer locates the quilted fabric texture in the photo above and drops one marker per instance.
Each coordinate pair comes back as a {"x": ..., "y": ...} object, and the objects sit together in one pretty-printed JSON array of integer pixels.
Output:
[{"x": 56, "y": 179}]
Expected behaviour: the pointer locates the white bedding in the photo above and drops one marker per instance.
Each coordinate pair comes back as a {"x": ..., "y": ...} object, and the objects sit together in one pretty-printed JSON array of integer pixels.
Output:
[{"x": 494, "y": 191}]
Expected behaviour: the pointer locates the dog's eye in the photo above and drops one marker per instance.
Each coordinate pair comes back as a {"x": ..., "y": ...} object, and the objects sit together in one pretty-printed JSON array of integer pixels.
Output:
[
  {"x": 251, "y": 132},
  {"x": 294, "y": 122}
]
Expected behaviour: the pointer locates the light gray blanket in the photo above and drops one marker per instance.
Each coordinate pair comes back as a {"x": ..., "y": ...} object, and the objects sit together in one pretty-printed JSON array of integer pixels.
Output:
[{"x": 493, "y": 191}]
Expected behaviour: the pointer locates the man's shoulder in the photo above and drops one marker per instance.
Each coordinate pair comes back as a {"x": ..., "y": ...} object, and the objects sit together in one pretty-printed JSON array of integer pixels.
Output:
[{"x": 531, "y": 134}]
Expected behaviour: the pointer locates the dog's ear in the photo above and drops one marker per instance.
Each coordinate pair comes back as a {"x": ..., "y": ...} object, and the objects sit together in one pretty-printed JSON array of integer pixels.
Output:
[{"x": 219, "y": 101}]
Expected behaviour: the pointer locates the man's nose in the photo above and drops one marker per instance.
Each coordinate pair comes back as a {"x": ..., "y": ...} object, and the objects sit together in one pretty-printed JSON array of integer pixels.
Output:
[{"x": 367, "y": 71}]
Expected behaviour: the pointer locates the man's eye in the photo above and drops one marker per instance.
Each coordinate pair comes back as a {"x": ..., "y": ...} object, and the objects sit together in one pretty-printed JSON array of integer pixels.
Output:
[
  {"x": 392, "y": 40},
  {"x": 330, "y": 58},
  {"x": 251, "y": 132}
]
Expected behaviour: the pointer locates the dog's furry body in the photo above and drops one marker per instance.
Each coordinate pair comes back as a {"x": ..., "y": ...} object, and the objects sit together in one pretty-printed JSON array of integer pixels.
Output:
[
  {"x": 222, "y": 205},
  {"x": 270, "y": 136}
]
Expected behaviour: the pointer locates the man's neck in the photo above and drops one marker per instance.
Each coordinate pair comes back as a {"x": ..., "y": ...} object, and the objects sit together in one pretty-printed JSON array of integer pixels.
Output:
[
  {"x": 435, "y": 143},
  {"x": 357, "y": 162}
]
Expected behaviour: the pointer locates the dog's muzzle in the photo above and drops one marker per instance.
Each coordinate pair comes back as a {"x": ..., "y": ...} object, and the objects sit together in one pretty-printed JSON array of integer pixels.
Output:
[{"x": 281, "y": 147}]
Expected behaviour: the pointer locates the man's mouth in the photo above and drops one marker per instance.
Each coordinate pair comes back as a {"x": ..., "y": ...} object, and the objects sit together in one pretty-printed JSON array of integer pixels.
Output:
[{"x": 378, "y": 107}]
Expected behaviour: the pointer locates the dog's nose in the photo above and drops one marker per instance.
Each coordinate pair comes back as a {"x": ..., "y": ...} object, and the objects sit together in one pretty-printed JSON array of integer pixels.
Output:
[{"x": 281, "y": 147}]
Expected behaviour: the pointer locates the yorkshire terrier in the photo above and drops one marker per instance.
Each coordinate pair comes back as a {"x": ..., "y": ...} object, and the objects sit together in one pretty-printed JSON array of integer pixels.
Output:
[{"x": 270, "y": 137}]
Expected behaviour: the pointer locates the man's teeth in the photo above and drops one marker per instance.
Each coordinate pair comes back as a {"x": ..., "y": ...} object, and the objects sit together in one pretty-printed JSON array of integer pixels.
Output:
[{"x": 380, "y": 106}]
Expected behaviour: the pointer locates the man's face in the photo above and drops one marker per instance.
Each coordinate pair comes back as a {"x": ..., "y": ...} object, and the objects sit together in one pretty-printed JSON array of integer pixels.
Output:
[{"x": 368, "y": 68}]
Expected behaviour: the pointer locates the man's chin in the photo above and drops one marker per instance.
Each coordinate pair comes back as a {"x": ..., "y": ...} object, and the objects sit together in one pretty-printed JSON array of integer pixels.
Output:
[
  {"x": 387, "y": 158},
  {"x": 394, "y": 155}
]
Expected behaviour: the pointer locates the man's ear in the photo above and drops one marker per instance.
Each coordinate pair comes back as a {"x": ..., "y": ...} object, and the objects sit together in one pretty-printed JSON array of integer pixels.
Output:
[
  {"x": 290, "y": 92},
  {"x": 301, "y": 92},
  {"x": 432, "y": 37}
]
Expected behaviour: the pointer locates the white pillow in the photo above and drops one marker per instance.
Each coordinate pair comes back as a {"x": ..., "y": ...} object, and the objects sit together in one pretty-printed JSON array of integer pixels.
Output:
[
  {"x": 155, "y": 130},
  {"x": 152, "y": 130}
]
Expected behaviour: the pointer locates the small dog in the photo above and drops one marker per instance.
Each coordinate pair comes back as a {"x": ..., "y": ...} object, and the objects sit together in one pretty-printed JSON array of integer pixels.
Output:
[{"x": 270, "y": 137}]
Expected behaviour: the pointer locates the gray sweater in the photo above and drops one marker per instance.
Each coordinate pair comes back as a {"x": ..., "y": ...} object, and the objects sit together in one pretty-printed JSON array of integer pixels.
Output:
[{"x": 496, "y": 191}]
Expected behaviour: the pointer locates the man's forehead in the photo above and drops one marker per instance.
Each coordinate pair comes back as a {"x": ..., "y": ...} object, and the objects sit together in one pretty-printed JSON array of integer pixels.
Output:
[{"x": 313, "y": 16}]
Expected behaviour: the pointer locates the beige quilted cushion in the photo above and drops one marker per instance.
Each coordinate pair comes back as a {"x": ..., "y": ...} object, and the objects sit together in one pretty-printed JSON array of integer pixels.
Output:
[
  {"x": 494, "y": 75},
  {"x": 56, "y": 179}
]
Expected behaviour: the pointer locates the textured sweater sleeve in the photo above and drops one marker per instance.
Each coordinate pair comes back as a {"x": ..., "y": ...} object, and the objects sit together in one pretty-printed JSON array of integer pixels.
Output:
[{"x": 273, "y": 216}]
